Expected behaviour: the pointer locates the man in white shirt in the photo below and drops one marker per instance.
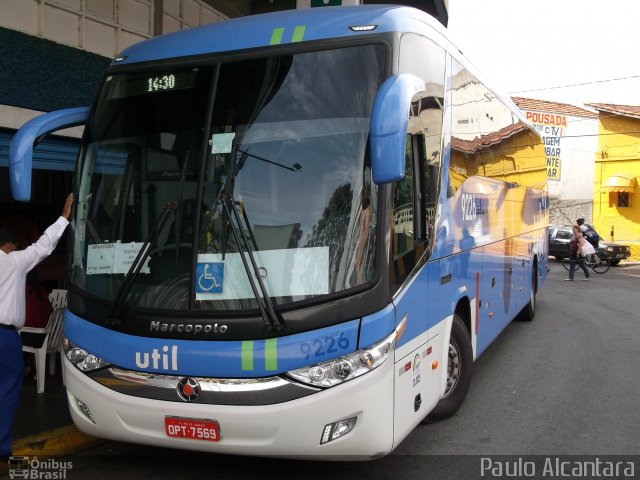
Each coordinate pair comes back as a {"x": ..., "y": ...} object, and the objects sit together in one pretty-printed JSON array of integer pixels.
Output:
[{"x": 14, "y": 266}]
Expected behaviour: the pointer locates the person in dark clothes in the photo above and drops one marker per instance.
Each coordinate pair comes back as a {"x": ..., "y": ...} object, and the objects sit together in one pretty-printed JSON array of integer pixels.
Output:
[{"x": 574, "y": 244}]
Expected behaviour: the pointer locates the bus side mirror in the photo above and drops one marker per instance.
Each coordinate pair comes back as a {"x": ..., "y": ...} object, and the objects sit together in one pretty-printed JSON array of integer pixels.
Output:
[
  {"x": 22, "y": 145},
  {"x": 388, "y": 130}
]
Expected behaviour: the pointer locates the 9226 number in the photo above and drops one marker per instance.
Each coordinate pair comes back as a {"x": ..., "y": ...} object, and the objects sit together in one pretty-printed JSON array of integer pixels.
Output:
[{"x": 324, "y": 346}]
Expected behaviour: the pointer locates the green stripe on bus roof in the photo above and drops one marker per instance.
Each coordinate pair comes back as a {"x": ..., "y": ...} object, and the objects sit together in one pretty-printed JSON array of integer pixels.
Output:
[
  {"x": 276, "y": 36},
  {"x": 298, "y": 33}
]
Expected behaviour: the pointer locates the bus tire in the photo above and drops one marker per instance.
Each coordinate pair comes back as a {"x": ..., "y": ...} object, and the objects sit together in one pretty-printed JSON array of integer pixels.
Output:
[
  {"x": 528, "y": 313},
  {"x": 459, "y": 370}
]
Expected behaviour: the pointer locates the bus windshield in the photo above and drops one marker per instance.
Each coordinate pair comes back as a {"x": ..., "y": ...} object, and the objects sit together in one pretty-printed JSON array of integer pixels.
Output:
[{"x": 265, "y": 157}]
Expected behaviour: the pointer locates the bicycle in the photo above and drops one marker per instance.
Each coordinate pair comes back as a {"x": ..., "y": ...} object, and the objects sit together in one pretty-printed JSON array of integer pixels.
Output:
[{"x": 593, "y": 261}]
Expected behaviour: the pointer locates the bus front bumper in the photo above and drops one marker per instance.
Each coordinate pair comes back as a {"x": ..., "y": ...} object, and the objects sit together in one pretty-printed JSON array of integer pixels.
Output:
[{"x": 292, "y": 429}]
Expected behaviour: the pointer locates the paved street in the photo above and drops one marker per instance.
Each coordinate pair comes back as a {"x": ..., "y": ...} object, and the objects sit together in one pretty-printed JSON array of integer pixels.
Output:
[{"x": 566, "y": 384}]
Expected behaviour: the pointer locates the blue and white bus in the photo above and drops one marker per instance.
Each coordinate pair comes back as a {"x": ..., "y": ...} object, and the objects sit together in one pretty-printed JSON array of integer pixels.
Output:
[{"x": 294, "y": 234}]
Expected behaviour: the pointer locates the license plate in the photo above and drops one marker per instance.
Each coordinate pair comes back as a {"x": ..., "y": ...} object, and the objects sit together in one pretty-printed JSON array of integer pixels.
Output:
[
  {"x": 620, "y": 255},
  {"x": 192, "y": 428}
]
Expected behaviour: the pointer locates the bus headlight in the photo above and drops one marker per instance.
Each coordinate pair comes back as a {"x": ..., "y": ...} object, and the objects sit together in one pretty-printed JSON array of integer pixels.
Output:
[
  {"x": 81, "y": 359},
  {"x": 339, "y": 370}
]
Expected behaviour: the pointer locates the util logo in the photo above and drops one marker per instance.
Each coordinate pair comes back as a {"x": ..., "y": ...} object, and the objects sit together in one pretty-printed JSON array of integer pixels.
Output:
[{"x": 168, "y": 359}]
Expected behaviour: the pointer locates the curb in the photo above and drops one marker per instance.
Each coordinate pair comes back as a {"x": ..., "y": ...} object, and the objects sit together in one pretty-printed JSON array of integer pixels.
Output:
[{"x": 60, "y": 441}]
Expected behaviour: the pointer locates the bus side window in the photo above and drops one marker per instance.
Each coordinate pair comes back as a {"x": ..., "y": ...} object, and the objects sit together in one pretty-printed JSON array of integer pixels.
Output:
[
  {"x": 403, "y": 207},
  {"x": 465, "y": 126},
  {"x": 409, "y": 241},
  {"x": 416, "y": 195},
  {"x": 428, "y": 137},
  {"x": 422, "y": 57}
]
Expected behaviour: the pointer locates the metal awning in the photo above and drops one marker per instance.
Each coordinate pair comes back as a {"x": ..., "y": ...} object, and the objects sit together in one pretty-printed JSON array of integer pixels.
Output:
[
  {"x": 52, "y": 153},
  {"x": 620, "y": 182}
]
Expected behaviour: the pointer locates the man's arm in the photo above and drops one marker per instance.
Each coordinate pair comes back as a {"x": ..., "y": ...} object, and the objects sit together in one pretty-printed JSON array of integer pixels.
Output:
[{"x": 35, "y": 253}]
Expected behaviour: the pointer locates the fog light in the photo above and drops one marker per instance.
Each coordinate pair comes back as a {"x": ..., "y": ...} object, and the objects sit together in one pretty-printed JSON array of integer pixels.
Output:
[
  {"x": 337, "y": 429},
  {"x": 86, "y": 411}
]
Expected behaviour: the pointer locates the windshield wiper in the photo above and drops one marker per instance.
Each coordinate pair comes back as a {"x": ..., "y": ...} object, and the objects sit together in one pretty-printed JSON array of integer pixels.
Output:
[
  {"x": 225, "y": 198},
  {"x": 296, "y": 167},
  {"x": 263, "y": 299},
  {"x": 138, "y": 263}
]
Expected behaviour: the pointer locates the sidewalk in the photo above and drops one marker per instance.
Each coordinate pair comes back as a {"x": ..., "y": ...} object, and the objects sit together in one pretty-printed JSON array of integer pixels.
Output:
[{"x": 43, "y": 426}]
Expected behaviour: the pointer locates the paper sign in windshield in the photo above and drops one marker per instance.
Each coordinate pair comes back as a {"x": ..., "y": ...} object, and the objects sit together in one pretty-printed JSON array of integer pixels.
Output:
[
  {"x": 109, "y": 258},
  {"x": 222, "y": 142},
  {"x": 289, "y": 272}
]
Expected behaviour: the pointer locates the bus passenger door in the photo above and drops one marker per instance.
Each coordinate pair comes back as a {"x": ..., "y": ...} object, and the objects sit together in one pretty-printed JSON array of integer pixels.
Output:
[
  {"x": 417, "y": 384},
  {"x": 413, "y": 275}
]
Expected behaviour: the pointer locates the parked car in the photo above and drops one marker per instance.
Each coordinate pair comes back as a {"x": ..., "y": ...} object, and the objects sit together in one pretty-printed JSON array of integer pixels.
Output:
[
  {"x": 559, "y": 236},
  {"x": 614, "y": 252}
]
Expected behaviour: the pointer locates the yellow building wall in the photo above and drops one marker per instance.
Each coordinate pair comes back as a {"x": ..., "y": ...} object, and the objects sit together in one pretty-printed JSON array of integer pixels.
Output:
[{"x": 619, "y": 153}]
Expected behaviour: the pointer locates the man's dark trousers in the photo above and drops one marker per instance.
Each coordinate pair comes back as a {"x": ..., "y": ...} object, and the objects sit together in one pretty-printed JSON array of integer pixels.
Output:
[{"x": 11, "y": 378}]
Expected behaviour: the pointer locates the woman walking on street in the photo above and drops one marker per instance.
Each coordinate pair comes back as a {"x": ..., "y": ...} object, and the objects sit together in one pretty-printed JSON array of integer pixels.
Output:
[{"x": 574, "y": 245}]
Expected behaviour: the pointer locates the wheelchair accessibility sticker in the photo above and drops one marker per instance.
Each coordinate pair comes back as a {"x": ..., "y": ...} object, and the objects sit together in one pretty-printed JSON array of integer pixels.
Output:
[{"x": 209, "y": 277}]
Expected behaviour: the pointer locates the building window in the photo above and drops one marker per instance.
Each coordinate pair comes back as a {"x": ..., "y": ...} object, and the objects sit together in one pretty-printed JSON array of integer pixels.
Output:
[{"x": 623, "y": 200}]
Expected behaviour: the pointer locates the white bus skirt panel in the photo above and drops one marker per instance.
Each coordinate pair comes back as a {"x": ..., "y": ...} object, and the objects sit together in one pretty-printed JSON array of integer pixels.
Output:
[{"x": 289, "y": 429}]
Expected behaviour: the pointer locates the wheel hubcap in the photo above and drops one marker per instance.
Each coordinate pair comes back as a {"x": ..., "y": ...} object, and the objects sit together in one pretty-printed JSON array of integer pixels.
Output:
[{"x": 454, "y": 367}]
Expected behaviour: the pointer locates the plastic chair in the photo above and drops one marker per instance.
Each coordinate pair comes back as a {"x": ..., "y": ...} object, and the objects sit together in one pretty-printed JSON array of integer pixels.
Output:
[
  {"x": 51, "y": 345},
  {"x": 58, "y": 298}
]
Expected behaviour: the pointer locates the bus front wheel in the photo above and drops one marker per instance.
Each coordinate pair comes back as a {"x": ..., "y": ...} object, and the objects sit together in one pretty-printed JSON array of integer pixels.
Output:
[{"x": 459, "y": 368}]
